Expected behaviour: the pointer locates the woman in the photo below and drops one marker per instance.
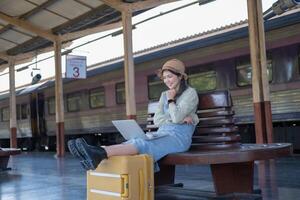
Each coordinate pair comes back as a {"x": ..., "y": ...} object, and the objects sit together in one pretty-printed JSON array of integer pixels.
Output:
[{"x": 176, "y": 117}]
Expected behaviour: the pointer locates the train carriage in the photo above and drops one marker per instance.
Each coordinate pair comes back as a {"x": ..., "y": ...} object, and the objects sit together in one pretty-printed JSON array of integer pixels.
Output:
[{"x": 217, "y": 59}]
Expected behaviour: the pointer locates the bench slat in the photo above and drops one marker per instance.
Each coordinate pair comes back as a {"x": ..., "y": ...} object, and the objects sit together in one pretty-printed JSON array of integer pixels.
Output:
[
  {"x": 9, "y": 151},
  {"x": 216, "y": 139},
  {"x": 215, "y": 130}
]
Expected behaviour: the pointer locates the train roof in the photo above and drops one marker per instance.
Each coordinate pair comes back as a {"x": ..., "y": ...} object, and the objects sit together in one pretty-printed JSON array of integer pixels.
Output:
[
  {"x": 216, "y": 36},
  {"x": 27, "y": 89}
]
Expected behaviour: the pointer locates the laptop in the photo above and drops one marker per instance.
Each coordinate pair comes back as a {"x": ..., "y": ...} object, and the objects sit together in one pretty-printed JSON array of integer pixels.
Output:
[{"x": 130, "y": 129}]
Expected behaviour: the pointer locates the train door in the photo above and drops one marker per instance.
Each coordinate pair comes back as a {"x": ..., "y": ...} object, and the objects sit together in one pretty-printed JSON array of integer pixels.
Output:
[{"x": 38, "y": 127}]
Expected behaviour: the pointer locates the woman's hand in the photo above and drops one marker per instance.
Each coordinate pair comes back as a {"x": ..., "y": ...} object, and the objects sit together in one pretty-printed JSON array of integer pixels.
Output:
[
  {"x": 171, "y": 94},
  {"x": 188, "y": 120}
]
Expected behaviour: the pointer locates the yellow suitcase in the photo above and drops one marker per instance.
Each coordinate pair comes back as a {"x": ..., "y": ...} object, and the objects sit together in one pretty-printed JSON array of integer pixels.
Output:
[{"x": 122, "y": 177}]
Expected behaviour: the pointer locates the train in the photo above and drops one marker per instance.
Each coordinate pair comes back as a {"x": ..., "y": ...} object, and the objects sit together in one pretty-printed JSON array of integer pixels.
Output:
[{"x": 216, "y": 60}]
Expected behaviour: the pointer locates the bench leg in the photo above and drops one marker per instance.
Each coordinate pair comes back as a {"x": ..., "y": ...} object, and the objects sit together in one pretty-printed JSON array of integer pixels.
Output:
[
  {"x": 233, "y": 177},
  {"x": 165, "y": 176},
  {"x": 3, "y": 163}
]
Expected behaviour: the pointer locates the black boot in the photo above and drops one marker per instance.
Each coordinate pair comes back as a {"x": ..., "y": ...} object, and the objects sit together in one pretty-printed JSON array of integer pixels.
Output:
[
  {"x": 74, "y": 151},
  {"x": 93, "y": 154}
]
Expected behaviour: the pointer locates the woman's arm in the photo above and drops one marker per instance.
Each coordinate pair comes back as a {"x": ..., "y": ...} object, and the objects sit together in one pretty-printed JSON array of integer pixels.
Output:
[
  {"x": 160, "y": 117},
  {"x": 184, "y": 107}
]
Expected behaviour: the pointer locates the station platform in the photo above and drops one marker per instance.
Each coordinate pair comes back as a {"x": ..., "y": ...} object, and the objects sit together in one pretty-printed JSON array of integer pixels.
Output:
[{"x": 40, "y": 175}]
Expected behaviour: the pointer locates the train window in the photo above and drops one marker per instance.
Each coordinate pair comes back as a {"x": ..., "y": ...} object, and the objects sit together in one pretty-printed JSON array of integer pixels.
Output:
[
  {"x": 73, "y": 102},
  {"x": 298, "y": 60},
  {"x": 18, "y": 107},
  {"x": 203, "y": 81},
  {"x": 51, "y": 105},
  {"x": 244, "y": 71},
  {"x": 97, "y": 98},
  {"x": 23, "y": 111},
  {"x": 155, "y": 87},
  {"x": 120, "y": 93},
  {"x": 5, "y": 114}
]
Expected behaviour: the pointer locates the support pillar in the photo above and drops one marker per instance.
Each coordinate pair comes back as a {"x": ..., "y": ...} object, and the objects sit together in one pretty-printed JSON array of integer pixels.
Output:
[
  {"x": 59, "y": 105},
  {"x": 260, "y": 81},
  {"x": 12, "y": 104},
  {"x": 129, "y": 66}
]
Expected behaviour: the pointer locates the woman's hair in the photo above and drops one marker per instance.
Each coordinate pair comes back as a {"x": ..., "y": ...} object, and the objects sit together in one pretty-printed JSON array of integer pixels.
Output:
[
  {"x": 183, "y": 83},
  {"x": 182, "y": 87}
]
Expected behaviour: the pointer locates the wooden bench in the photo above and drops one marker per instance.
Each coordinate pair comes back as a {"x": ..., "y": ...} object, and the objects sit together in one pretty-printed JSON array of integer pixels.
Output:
[
  {"x": 5, "y": 153},
  {"x": 216, "y": 143}
]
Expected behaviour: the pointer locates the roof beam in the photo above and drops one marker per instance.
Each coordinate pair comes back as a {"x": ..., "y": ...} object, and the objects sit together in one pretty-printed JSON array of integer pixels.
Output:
[
  {"x": 29, "y": 27},
  {"x": 27, "y": 57},
  {"x": 117, "y": 4},
  {"x": 4, "y": 56},
  {"x": 142, "y": 5},
  {"x": 132, "y": 7},
  {"x": 30, "y": 13},
  {"x": 89, "y": 31}
]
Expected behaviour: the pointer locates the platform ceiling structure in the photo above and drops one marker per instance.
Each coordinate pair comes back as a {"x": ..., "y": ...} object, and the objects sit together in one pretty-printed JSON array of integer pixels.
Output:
[
  {"x": 31, "y": 27},
  {"x": 28, "y": 27}
]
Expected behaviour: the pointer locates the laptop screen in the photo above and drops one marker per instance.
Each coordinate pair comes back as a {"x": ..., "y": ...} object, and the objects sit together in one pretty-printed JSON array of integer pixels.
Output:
[{"x": 129, "y": 129}]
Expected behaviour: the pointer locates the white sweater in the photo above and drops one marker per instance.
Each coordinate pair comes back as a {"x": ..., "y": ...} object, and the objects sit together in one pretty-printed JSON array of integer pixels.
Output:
[{"x": 186, "y": 105}]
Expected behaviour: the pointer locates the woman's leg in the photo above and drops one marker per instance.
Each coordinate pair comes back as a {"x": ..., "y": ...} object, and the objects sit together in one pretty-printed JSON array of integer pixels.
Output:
[
  {"x": 120, "y": 150},
  {"x": 93, "y": 155}
]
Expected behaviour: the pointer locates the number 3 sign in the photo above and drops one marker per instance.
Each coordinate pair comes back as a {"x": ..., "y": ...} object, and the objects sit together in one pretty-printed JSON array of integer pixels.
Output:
[{"x": 76, "y": 67}]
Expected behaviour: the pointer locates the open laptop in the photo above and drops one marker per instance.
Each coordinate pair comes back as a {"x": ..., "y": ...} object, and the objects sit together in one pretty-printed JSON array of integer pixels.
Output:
[{"x": 130, "y": 129}]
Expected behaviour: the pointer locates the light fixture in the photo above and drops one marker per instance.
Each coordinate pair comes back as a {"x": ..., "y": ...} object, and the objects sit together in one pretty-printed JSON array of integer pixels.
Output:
[{"x": 280, "y": 7}]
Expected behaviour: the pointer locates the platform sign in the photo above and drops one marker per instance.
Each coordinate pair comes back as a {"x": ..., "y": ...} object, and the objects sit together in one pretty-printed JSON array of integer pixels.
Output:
[{"x": 75, "y": 67}]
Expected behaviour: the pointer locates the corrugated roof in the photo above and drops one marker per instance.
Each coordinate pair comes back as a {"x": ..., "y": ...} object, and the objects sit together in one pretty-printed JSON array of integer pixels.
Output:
[
  {"x": 59, "y": 16},
  {"x": 215, "y": 36},
  {"x": 31, "y": 25},
  {"x": 207, "y": 38}
]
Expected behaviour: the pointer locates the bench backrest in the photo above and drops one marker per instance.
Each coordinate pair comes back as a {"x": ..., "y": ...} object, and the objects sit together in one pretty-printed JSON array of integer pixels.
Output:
[{"x": 216, "y": 128}]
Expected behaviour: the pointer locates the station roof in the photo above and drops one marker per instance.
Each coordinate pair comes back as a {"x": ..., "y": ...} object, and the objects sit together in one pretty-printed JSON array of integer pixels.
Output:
[
  {"x": 28, "y": 27},
  {"x": 203, "y": 39}
]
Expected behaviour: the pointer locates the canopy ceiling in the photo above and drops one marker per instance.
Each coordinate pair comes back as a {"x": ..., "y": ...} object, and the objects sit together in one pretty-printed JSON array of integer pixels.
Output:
[{"x": 28, "y": 27}]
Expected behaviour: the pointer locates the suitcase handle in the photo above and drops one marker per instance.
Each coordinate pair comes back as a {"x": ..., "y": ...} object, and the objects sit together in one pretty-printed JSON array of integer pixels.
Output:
[
  {"x": 124, "y": 182},
  {"x": 142, "y": 184}
]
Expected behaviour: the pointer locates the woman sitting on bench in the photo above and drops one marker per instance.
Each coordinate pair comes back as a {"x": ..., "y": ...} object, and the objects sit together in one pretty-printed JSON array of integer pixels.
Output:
[{"x": 176, "y": 117}]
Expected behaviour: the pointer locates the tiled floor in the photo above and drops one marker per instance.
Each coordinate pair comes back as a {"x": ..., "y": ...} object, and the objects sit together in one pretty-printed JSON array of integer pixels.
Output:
[{"x": 36, "y": 176}]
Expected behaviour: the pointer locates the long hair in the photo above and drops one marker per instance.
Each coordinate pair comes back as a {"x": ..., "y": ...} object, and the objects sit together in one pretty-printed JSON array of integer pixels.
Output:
[{"x": 183, "y": 86}]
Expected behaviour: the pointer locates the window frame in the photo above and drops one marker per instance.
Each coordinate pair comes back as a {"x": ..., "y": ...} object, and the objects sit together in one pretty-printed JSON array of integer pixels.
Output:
[
  {"x": 26, "y": 111},
  {"x": 194, "y": 73},
  {"x": 2, "y": 119},
  {"x": 18, "y": 112},
  {"x": 116, "y": 92},
  {"x": 67, "y": 101},
  {"x": 298, "y": 60},
  {"x": 245, "y": 58},
  {"x": 148, "y": 86},
  {"x": 90, "y": 92},
  {"x": 48, "y": 105}
]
